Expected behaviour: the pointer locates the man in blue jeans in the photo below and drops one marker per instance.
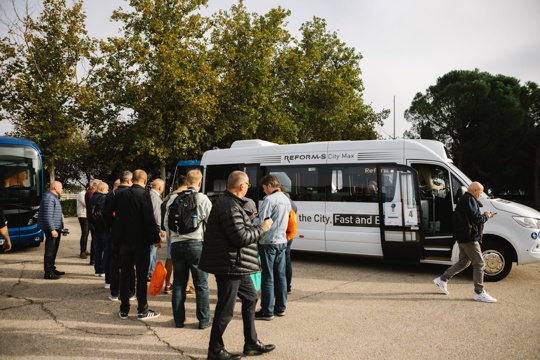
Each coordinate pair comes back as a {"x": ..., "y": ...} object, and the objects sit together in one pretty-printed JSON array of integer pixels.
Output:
[
  {"x": 272, "y": 249},
  {"x": 185, "y": 255}
]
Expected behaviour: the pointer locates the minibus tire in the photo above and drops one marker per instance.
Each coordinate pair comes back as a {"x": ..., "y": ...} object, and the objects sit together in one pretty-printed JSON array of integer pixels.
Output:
[{"x": 498, "y": 259}]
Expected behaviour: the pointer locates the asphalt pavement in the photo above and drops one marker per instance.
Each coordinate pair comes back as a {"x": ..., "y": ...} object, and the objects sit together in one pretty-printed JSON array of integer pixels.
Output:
[{"x": 341, "y": 307}]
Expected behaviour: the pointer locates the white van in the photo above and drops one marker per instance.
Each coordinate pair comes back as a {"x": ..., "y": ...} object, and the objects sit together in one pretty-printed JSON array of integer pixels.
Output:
[{"x": 385, "y": 198}]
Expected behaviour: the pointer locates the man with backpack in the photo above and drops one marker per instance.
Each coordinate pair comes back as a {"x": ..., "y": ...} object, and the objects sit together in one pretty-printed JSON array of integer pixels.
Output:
[
  {"x": 100, "y": 229},
  {"x": 469, "y": 242},
  {"x": 185, "y": 222}
]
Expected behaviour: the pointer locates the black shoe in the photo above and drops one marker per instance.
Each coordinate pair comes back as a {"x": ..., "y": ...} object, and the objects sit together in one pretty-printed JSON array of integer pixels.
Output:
[
  {"x": 222, "y": 355},
  {"x": 59, "y": 272},
  {"x": 258, "y": 348},
  {"x": 91, "y": 262},
  {"x": 259, "y": 315},
  {"x": 51, "y": 276}
]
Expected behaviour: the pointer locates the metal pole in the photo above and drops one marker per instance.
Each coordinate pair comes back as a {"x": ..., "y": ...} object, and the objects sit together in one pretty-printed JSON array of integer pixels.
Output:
[{"x": 394, "y": 117}]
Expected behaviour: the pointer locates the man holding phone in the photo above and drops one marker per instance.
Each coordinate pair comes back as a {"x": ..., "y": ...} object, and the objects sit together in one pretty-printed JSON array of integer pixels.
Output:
[{"x": 469, "y": 247}]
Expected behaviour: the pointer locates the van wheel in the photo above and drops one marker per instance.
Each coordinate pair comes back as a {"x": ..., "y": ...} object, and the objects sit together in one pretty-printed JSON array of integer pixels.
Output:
[{"x": 498, "y": 261}]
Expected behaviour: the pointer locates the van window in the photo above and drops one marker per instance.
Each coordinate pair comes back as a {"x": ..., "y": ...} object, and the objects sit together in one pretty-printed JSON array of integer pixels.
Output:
[
  {"x": 216, "y": 179},
  {"x": 303, "y": 183},
  {"x": 354, "y": 183}
]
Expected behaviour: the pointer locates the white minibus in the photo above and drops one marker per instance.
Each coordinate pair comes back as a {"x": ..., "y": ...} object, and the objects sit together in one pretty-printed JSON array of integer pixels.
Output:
[{"x": 391, "y": 199}]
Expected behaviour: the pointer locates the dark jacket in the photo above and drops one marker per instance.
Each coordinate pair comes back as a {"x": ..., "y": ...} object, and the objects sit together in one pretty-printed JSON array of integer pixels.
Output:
[
  {"x": 134, "y": 222},
  {"x": 476, "y": 218},
  {"x": 230, "y": 240}
]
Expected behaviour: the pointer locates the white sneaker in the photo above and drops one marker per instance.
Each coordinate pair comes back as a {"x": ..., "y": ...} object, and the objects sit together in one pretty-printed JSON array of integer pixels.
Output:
[
  {"x": 134, "y": 297},
  {"x": 113, "y": 298},
  {"x": 107, "y": 286},
  {"x": 484, "y": 297},
  {"x": 442, "y": 285}
]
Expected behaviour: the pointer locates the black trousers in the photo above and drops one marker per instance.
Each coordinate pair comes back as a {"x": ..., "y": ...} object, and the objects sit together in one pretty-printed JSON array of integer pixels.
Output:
[
  {"x": 228, "y": 288},
  {"x": 84, "y": 233},
  {"x": 138, "y": 256},
  {"x": 51, "y": 249},
  {"x": 114, "y": 263}
]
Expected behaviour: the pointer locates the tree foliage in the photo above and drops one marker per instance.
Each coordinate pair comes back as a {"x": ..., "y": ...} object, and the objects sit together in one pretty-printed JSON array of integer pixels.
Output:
[
  {"x": 485, "y": 121},
  {"x": 246, "y": 52},
  {"x": 159, "y": 72},
  {"x": 173, "y": 84},
  {"x": 40, "y": 80},
  {"x": 326, "y": 98}
]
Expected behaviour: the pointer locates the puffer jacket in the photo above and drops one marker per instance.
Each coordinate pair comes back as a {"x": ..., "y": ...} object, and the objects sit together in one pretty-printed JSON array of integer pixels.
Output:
[
  {"x": 230, "y": 240},
  {"x": 50, "y": 213}
]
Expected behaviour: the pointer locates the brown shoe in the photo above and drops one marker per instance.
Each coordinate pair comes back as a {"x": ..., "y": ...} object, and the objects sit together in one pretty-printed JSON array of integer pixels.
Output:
[
  {"x": 168, "y": 289},
  {"x": 190, "y": 291},
  {"x": 83, "y": 255},
  {"x": 87, "y": 252}
]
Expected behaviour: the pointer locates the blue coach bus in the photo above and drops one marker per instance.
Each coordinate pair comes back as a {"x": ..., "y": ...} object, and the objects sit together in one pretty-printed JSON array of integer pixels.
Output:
[
  {"x": 182, "y": 168},
  {"x": 21, "y": 189}
]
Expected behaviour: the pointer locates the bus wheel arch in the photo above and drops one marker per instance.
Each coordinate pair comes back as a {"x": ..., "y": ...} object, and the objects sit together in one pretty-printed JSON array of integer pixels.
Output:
[{"x": 498, "y": 256}]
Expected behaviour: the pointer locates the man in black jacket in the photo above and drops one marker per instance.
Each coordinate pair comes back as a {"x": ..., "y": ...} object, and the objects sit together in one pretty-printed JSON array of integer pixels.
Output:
[
  {"x": 230, "y": 252},
  {"x": 136, "y": 229},
  {"x": 469, "y": 245}
]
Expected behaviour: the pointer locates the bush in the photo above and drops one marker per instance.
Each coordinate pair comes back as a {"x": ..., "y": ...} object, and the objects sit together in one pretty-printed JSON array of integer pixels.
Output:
[{"x": 69, "y": 207}]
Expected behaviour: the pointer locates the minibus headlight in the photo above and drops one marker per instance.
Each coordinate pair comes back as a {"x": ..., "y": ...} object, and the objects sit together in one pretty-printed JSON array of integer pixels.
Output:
[{"x": 527, "y": 222}]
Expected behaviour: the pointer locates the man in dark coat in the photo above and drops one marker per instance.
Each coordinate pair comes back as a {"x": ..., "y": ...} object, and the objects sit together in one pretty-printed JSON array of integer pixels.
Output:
[
  {"x": 230, "y": 252},
  {"x": 470, "y": 251},
  {"x": 136, "y": 229}
]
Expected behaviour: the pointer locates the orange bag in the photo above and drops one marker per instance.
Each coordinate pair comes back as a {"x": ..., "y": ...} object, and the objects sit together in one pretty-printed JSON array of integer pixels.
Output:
[
  {"x": 291, "y": 226},
  {"x": 158, "y": 278}
]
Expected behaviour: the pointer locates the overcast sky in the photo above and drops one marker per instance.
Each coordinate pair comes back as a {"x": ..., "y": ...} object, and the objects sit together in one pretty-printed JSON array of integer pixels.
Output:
[{"x": 406, "y": 45}]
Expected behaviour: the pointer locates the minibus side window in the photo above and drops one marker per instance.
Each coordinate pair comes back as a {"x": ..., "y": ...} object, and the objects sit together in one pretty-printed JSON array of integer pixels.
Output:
[
  {"x": 354, "y": 183},
  {"x": 216, "y": 179},
  {"x": 303, "y": 183}
]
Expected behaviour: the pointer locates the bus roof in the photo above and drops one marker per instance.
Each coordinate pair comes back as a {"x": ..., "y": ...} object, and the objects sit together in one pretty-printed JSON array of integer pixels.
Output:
[
  {"x": 189, "y": 163},
  {"x": 358, "y": 151},
  {"x": 17, "y": 141}
]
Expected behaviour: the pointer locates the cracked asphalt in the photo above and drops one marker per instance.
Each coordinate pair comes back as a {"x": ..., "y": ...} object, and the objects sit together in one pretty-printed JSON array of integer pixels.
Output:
[{"x": 341, "y": 307}]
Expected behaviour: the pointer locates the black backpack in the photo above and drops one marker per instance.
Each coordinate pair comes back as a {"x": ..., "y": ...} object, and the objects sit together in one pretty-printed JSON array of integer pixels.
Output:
[
  {"x": 461, "y": 225},
  {"x": 183, "y": 216},
  {"x": 97, "y": 211}
]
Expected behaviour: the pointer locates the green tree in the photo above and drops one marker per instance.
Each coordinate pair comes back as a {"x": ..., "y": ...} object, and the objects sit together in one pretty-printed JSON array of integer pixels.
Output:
[
  {"x": 326, "y": 96},
  {"x": 41, "y": 80},
  {"x": 483, "y": 120},
  {"x": 158, "y": 72},
  {"x": 246, "y": 52}
]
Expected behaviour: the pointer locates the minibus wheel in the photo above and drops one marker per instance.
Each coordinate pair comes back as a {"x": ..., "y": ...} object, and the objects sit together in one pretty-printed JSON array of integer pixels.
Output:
[{"x": 498, "y": 261}]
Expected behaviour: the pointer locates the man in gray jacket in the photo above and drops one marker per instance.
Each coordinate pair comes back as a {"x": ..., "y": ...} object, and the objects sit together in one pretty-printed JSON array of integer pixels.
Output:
[
  {"x": 230, "y": 252},
  {"x": 158, "y": 185},
  {"x": 272, "y": 248},
  {"x": 51, "y": 221}
]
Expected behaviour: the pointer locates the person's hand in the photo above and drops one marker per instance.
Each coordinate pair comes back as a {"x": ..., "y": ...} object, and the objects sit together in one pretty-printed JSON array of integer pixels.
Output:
[
  {"x": 267, "y": 223},
  {"x": 158, "y": 245},
  {"x": 252, "y": 216},
  {"x": 162, "y": 233},
  {"x": 54, "y": 233}
]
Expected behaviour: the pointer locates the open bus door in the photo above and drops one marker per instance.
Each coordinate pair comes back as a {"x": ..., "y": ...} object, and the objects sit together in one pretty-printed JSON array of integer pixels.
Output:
[{"x": 400, "y": 213}]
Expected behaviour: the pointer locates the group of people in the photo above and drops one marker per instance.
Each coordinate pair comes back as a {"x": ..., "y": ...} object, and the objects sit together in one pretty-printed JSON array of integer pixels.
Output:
[{"x": 231, "y": 240}]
